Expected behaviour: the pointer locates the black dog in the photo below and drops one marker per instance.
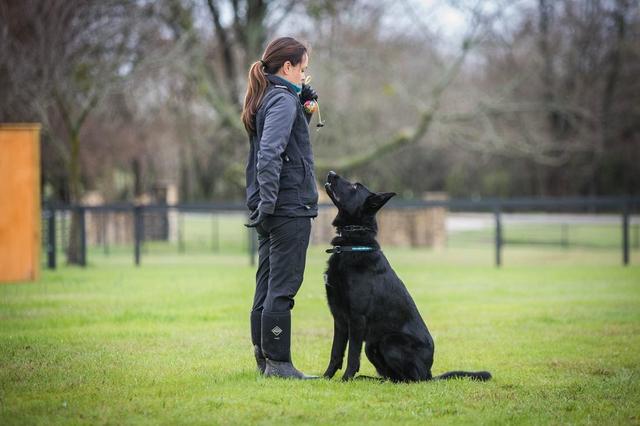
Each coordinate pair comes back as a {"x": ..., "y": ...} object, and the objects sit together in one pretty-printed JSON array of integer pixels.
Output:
[{"x": 368, "y": 301}]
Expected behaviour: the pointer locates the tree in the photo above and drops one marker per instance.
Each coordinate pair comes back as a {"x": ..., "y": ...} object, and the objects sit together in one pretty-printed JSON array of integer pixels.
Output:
[{"x": 64, "y": 57}]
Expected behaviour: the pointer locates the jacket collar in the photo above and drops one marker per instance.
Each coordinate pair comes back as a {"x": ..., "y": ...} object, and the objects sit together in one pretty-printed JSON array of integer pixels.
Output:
[{"x": 281, "y": 82}]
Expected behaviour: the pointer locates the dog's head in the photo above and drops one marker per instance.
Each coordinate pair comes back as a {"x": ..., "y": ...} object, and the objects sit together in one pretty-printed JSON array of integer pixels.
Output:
[{"x": 356, "y": 204}]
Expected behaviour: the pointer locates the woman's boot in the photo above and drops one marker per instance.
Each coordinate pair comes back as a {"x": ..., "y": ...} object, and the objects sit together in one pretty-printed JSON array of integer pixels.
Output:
[{"x": 276, "y": 346}]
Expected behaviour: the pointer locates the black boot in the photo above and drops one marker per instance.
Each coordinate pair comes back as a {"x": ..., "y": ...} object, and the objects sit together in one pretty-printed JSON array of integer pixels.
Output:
[
  {"x": 256, "y": 321},
  {"x": 276, "y": 346}
]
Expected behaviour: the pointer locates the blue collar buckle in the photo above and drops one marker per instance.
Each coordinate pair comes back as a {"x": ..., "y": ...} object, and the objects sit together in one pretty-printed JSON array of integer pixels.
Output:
[{"x": 342, "y": 249}]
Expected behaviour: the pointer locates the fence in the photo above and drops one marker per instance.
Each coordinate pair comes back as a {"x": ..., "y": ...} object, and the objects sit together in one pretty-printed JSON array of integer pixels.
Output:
[{"x": 213, "y": 227}]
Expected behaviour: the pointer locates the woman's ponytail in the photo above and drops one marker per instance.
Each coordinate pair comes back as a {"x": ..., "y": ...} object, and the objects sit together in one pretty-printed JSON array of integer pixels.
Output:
[{"x": 255, "y": 91}]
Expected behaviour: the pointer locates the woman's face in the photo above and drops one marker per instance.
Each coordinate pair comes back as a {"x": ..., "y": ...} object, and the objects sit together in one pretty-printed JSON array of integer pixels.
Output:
[{"x": 295, "y": 74}]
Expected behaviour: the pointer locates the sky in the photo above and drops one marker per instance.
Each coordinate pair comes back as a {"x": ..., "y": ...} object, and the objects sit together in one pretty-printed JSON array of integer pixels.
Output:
[
  {"x": 438, "y": 16},
  {"x": 441, "y": 22},
  {"x": 447, "y": 23}
]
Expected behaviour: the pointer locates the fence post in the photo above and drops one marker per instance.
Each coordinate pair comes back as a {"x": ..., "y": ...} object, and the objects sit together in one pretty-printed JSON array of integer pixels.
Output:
[
  {"x": 180, "y": 232},
  {"x": 625, "y": 233},
  {"x": 64, "y": 240},
  {"x": 105, "y": 223},
  {"x": 496, "y": 211},
  {"x": 83, "y": 237},
  {"x": 215, "y": 233},
  {"x": 565, "y": 235},
  {"x": 51, "y": 238},
  {"x": 137, "y": 232}
]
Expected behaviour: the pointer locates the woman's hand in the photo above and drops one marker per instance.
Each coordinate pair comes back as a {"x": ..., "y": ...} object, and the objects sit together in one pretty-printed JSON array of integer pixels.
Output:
[
  {"x": 255, "y": 218},
  {"x": 309, "y": 101},
  {"x": 308, "y": 94}
]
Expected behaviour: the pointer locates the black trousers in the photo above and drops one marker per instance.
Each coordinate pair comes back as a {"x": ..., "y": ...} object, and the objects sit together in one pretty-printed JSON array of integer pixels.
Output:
[{"x": 282, "y": 250}]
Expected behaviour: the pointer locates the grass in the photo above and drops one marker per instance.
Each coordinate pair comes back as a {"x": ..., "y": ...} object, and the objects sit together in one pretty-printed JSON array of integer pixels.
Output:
[{"x": 169, "y": 343}]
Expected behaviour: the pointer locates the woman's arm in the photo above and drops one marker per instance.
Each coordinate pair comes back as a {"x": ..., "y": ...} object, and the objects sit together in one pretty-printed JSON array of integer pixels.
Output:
[{"x": 279, "y": 118}]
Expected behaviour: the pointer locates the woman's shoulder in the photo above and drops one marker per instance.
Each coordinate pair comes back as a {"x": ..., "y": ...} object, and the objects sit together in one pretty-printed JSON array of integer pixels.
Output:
[{"x": 279, "y": 98}]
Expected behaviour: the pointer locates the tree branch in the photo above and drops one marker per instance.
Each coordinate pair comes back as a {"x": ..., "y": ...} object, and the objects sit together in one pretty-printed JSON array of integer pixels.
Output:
[
  {"x": 227, "y": 55},
  {"x": 403, "y": 138}
]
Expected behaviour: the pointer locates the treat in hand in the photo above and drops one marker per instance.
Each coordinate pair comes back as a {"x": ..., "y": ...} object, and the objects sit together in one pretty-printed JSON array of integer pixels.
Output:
[{"x": 310, "y": 106}]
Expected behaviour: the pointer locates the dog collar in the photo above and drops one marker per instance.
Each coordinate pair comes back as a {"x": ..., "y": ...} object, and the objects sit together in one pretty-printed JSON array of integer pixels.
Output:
[
  {"x": 341, "y": 249},
  {"x": 353, "y": 228}
]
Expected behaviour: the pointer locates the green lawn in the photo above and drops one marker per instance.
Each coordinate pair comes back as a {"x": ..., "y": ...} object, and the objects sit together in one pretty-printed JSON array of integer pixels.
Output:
[{"x": 169, "y": 343}]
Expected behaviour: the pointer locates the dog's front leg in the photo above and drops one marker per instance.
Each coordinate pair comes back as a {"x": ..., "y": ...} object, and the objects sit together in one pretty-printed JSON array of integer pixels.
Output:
[
  {"x": 357, "y": 327},
  {"x": 340, "y": 338}
]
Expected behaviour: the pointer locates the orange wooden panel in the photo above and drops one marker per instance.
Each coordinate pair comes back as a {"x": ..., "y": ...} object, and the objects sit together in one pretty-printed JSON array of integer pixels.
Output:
[{"x": 19, "y": 202}]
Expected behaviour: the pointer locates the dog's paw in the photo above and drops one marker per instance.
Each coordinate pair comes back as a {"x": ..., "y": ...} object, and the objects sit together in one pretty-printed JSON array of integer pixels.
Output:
[
  {"x": 370, "y": 378},
  {"x": 331, "y": 371},
  {"x": 348, "y": 376}
]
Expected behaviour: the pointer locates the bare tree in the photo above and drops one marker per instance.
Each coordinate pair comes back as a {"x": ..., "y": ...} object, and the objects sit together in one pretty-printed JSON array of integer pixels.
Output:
[
  {"x": 65, "y": 57},
  {"x": 548, "y": 86}
]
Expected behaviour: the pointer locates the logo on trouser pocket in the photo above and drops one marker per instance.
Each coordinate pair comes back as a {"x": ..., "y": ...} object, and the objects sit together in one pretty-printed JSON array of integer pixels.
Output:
[{"x": 276, "y": 331}]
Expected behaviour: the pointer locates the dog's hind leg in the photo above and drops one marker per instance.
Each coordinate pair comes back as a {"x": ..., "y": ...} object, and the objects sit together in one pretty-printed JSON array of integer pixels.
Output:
[
  {"x": 362, "y": 377},
  {"x": 375, "y": 357},
  {"x": 405, "y": 362}
]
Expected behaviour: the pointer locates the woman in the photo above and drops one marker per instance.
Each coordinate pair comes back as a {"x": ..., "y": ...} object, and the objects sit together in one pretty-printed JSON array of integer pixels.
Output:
[{"x": 281, "y": 195}]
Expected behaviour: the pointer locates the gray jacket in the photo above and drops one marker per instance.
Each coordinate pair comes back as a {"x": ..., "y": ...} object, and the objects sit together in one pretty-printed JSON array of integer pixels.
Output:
[{"x": 280, "y": 177}]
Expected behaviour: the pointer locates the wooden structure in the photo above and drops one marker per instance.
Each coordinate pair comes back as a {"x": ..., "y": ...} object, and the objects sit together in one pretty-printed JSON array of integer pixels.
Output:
[{"x": 19, "y": 202}]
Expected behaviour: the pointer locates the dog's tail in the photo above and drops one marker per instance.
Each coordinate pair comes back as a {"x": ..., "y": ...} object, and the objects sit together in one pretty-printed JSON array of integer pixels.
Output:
[{"x": 482, "y": 376}]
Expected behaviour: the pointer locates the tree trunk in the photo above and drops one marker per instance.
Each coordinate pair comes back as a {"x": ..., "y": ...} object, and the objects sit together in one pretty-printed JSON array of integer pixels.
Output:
[
  {"x": 137, "y": 178},
  {"x": 607, "y": 129}
]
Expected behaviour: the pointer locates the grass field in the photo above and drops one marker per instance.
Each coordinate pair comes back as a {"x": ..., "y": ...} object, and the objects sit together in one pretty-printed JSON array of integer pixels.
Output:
[{"x": 169, "y": 343}]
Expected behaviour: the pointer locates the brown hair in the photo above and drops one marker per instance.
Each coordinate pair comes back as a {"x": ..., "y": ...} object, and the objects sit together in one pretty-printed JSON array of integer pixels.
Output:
[{"x": 278, "y": 52}]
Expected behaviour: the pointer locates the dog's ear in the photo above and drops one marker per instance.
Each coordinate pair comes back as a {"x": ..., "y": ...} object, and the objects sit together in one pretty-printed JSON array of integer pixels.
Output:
[{"x": 376, "y": 201}]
